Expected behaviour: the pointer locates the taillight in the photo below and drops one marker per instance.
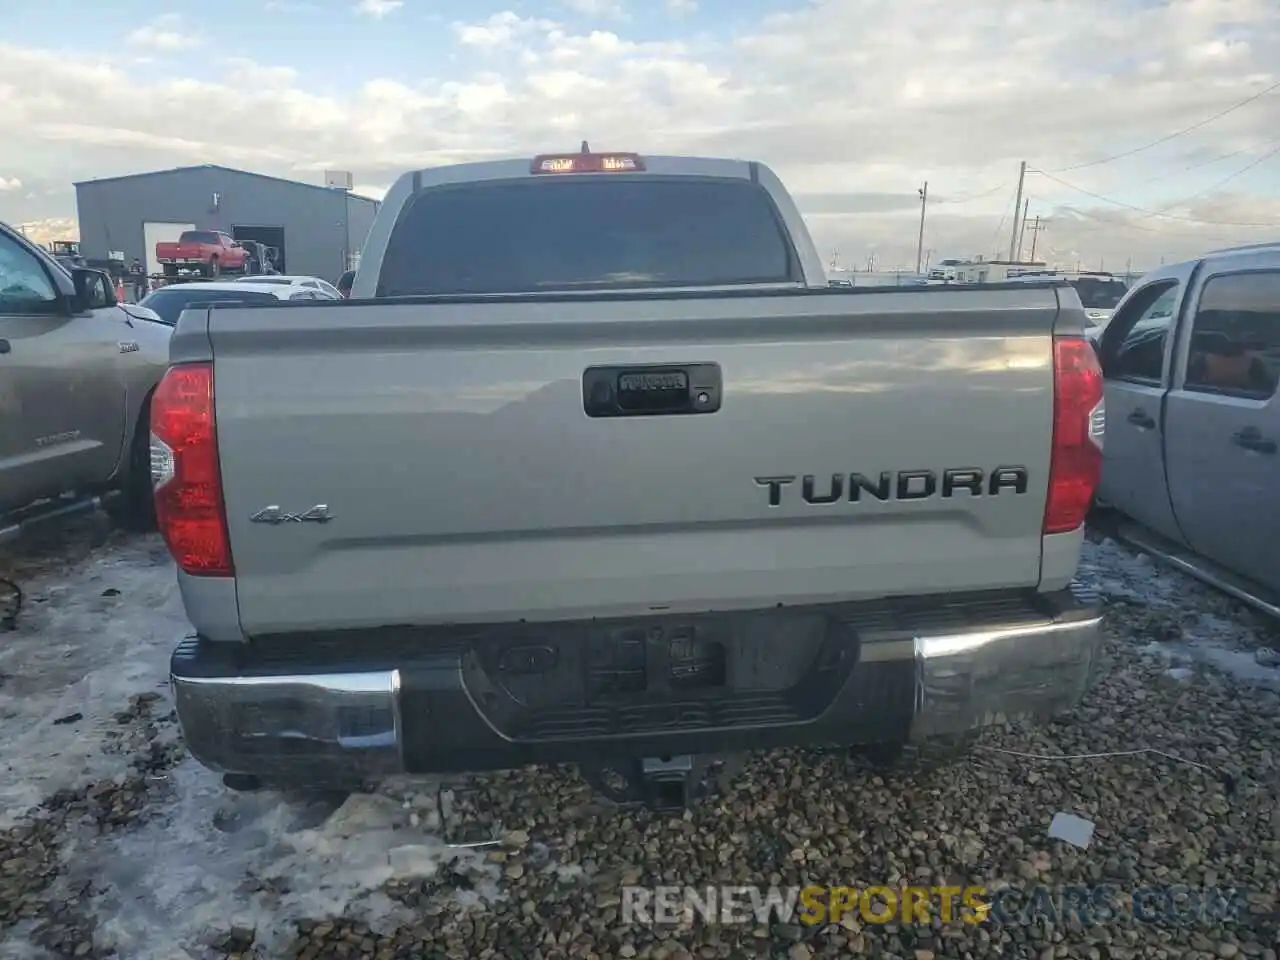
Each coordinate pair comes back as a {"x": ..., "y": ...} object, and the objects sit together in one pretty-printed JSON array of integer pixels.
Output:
[
  {"x": 185, "y": 474},
  {"x": 1079, "y": 424}
]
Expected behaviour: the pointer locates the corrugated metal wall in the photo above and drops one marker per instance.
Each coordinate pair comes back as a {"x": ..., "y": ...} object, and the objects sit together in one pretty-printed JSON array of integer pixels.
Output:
[{"x": 322, "y": 227}]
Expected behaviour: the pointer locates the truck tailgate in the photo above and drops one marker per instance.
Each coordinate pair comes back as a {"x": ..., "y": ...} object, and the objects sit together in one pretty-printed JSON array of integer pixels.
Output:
[
  {"x": 179, "y": 251},
  {"x": 466, "y": 483}
]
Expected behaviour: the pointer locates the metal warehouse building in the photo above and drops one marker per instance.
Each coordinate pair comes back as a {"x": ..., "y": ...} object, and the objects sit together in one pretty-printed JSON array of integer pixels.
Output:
[{"x": 317, "y": 230}]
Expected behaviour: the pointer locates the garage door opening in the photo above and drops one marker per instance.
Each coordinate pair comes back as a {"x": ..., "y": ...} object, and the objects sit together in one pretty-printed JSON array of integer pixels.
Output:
[{"x": 270, "y": 237}]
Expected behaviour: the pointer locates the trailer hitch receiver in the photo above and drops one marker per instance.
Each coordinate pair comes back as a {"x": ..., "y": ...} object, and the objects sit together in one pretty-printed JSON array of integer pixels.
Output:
[
  {"x": 668, "y": 783},
  {"x": 663, "y": 784}
]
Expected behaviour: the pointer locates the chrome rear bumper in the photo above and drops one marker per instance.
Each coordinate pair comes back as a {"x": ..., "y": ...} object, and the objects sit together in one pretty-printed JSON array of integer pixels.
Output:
[
  {"x": 986, "y": 678},
  {"x": 293, "y": 721},
  {"x": 322, "y": 726}
]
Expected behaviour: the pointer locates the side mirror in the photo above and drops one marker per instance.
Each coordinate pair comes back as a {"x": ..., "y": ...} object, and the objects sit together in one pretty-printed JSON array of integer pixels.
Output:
[{"x": 94, "y": 290}]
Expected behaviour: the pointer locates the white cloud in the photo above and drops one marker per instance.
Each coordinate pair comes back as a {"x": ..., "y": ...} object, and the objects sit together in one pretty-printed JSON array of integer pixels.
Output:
[
  {"x": 499, "y": 30},
  {"x": 682, "y": 7},
  {"x": 49, "y": 229},
  {"x": 378, "y": 8},
  {"x": 11, "y": 183},
  {"x": 852, "y": 102},
  {"x": 163, "y": 35},
  {"x": 604, "y": 9}
]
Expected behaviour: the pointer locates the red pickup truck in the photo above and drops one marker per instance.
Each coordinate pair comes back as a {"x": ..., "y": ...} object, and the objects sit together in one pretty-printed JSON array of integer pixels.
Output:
[{"x": 208, "y": 252}]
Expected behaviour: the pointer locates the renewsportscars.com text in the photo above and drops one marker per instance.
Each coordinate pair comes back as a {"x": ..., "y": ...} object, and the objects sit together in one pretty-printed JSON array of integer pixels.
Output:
[{"x": 1011, "y": 905}]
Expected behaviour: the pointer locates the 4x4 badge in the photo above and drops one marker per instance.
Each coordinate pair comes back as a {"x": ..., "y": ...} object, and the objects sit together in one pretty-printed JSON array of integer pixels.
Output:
[{"x": 273, "y": 514}]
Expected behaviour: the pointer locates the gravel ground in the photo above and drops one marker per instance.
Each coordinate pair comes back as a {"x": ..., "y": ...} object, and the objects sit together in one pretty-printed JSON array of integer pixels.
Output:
[{"x": 114, "y": 844}]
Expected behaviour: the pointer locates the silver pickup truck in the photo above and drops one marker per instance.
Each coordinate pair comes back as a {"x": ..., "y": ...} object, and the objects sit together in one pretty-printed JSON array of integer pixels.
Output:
[
  {"x": 595, "y": 467},
  {"x": 1192, "y": 366}
]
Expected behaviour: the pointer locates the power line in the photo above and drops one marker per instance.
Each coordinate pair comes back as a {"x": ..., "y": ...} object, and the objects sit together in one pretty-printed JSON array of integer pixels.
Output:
[
  {"x": 1206, "y": 163},
  {"x": 1154, "y": 213},
  {"x": 1225, "y": 180},
  {"x": 1129, "y": 225},
  {"x": 976, "y": 196},
  {"x": 1225, "y": 156},
  {"x": 1172, "y": 136},
  {"x": 1275, "y": 144},
  {"x": 1000, "y": 225}
]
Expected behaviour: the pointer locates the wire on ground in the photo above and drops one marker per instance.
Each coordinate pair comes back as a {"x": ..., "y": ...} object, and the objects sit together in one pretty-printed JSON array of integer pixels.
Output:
[{"x": 1228, "y": 781}]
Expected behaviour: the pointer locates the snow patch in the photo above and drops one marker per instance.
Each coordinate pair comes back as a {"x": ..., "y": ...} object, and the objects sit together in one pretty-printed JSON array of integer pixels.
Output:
[
  {"x": 209, "y": 859},
  {"x": 1120, "y": 573},
  {"x": 1240, "y": 665},
  {"x": 201, "y": 859},
  {"x": 1205, "y": 638},
  {"x": 87, "y": 639}
]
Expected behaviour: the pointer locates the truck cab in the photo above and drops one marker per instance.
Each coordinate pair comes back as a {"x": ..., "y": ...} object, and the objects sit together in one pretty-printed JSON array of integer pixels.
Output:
[
  {"x": 1191, "y": 359},
  {"x": 76, "y": 371}
]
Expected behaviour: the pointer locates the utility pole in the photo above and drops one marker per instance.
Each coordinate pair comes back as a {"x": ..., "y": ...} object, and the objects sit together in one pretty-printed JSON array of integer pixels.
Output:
[
  {"x": 924, "y": 200},
  {"x": 1017, "y": 205},
  {"x": 1035, "y": 229},
  {"x": 1022, "y": 232}
]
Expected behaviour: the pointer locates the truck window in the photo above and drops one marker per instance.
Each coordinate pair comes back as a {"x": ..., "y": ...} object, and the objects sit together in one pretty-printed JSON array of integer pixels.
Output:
[
  {"x": 585, "y": 233},
  {"x": 1133, "y": 345},
  {"x": 169, "y": 302},
  {"x": 1235, "y": 336},
  {"x": 25, "y": 287},
  {"x": 1099, "y": 294},
  {"x": 197, "y": 236}
]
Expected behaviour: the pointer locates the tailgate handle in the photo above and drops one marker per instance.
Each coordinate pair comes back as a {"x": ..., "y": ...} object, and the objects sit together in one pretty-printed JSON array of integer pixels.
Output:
[{"x": 646, "y": 390}]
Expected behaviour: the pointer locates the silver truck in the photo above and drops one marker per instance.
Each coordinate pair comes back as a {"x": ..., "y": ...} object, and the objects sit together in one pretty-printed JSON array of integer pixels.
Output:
[
  {"x": 595, "y": 467},
  {"x": 1192, "y": 365},
  {"x": 76, "y": 372}
]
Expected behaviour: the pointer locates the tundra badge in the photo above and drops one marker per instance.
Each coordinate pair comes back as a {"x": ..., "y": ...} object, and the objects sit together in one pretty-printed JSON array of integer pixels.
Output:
[{"x": 273, "y": 515}]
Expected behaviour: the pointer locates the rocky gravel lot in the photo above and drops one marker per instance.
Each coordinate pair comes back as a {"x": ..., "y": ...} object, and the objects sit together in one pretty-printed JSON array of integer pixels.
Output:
[{"x": 114, "y": 844}]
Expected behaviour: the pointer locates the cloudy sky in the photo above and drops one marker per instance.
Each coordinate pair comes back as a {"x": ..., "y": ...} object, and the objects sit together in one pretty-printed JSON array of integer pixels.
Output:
[{"x": 855, "y": 103}]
